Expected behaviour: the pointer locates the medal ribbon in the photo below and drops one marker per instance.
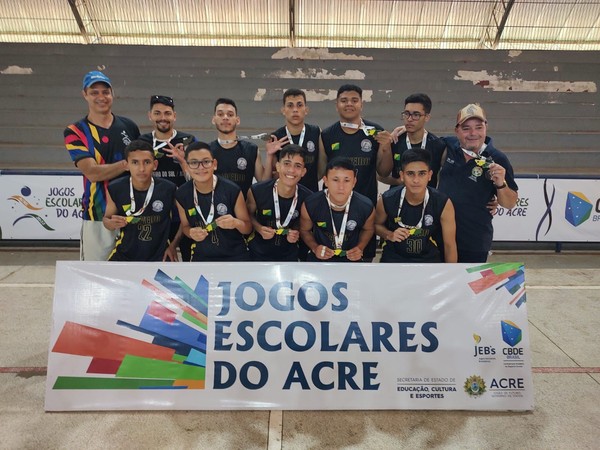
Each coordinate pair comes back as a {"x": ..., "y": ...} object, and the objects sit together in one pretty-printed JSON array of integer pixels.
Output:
[
  {"x": 208, "y": 221},
  {"x": 162, "y": 143},
  {"x": 418, "y": 225},
  {"x": 473, "y": 154},
  {"x": 339, "y": 239},
  {"x": 423, "y": 142},
  {"x": 252, "y": 137},
  {"x": 290, "y": 213},
  {"x": 132, "y": 212},
  {"x": 367, "y": 129},
  {"x": 289, "y": 135}
]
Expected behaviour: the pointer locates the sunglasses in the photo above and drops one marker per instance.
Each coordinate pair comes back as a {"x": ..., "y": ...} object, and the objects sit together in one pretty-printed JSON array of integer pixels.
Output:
[{"x": 162, "y": 99}]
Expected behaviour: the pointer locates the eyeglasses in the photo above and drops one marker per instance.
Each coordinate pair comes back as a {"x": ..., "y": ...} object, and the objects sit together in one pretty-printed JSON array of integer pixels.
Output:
[
  {"x": 206, "y": 163},
  {"x": 162, "y": 99},
  {"x": 415, "y": 115}
]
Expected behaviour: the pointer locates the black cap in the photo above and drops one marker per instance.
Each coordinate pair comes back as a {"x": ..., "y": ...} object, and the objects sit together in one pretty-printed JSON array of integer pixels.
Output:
[{"x": 162, "y": 99}]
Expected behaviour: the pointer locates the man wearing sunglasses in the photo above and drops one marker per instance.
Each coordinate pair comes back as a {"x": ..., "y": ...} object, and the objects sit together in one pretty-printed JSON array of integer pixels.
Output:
[{"x": 169, "y": 146}]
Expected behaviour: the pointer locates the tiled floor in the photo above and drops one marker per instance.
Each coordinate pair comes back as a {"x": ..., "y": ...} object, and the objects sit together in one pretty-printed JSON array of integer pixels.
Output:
[{"x": 564, "y": 315}]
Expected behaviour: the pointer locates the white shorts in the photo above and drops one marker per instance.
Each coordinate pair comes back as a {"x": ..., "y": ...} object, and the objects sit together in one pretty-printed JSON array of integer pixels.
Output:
[{"x": 96, "y": 241}]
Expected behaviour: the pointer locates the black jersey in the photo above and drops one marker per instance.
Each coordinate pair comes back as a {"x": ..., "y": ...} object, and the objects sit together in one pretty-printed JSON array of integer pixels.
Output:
[
  {"x": 278, "y": 248},
  {"x": 310, "y": 143},
  {"x": 220, "y": 244},
  {"x": 423, "y": 246},
  {"x": 84, "y": 139},
  {"x": 237, "y": 164},
  {"x": 433, "y": 144},
  {"x": 321, "y": 216},
  {"x": 360, "y": 149},
  {"x": 168, "y": 167},
  {"x": 470, "y": 191},
  {"x": 146, "y": 237}
]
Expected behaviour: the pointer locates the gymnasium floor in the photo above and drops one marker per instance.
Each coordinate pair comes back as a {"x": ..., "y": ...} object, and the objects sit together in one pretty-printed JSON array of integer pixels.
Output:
[{"x": 563, "y": 302}]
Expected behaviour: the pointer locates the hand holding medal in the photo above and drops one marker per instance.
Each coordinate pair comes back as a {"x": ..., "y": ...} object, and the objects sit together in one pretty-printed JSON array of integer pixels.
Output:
[
  {"x": 292, "y": 236},
  {"x": 497, "y": 174},
  {"x": 324, "y": 252},
  {"x": 401, "y": 234},
  {"x": 485, "y": 163},
  {"x": 354, "y": 254},
  {"x": 198, "y": 234}
]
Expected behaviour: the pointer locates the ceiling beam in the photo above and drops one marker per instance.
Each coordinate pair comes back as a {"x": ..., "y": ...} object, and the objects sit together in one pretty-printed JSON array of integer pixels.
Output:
[
  {"x": 78, "y": 7},
  {"x": 292, "y": 19},
  {"x": 500, "y": 14}
]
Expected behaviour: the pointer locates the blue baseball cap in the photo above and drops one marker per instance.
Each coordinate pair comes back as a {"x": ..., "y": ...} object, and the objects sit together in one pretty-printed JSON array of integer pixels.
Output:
[{"x": 95, "y": 77}]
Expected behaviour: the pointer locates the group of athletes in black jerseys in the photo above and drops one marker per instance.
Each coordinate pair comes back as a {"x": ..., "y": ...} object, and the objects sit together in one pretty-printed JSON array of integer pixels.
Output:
[{"x": 315, "y": 196}]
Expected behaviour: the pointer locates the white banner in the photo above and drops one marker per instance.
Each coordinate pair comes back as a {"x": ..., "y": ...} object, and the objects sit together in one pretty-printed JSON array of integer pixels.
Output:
[
  {"x": 552, "y": 210},
  {"x": 46, "y": 207},
  {"x": 289, "y": 336}
]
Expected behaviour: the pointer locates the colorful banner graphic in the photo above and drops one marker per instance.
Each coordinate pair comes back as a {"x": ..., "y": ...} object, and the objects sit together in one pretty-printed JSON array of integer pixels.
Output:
[{"x": 289, "y": 336}]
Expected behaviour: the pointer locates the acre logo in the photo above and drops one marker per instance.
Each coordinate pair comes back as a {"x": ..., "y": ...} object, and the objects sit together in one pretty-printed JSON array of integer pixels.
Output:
[{"x": 578, "y": 208}]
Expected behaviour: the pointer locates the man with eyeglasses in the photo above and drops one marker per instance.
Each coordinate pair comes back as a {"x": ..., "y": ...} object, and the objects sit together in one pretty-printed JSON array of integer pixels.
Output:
[
  {"x": 365, "y": 143},
  {"x": 274, "y": 207},
  {"x": 212, "y": 210},
  {"x": 473, "y": 172},
  {"x": 239, "y": 160},
  {"x": 95, "y": 144},
  {"x": 416, "y": 114},
  {"x": 168, "y": 144}
]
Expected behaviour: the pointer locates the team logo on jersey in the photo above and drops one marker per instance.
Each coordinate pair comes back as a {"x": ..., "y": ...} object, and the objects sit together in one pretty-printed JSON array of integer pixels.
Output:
[
  {"x": 125, "y": 138},
  {"x": 351, "y": 225},
  {"x": 428, "y": 220},
  {"x": 222, "y": 209},
  {"x": 295, "y": 214},
  {"x": 267, "y": 212},
  {"x": 476, "y": 173},
  {"x": 157, "y": 206},
  {"x": 366, "y": 145},
  {"x": 335, "y": 146},
  {"x": 242, "y": 163},
  {"x": 310, "y": 146}
]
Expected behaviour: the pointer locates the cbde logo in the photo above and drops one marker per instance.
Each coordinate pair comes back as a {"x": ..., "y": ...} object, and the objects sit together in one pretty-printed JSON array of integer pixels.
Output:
[
  {"x": 512, "y": 335},
  {"x": 578, "y": 208}
]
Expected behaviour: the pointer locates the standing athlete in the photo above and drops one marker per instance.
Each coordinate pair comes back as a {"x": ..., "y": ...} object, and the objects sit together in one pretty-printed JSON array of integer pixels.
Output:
[
  {"x": 296, "y": 131},
  {"x": 168, "y": 144},
  {"x": 416, "y": 114},
  {"x": 95, "y": 144},
  {"x": 473, "y": 172},
  {"x": 239, "y": 160},
  {"x": 365, "y": 143}
]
